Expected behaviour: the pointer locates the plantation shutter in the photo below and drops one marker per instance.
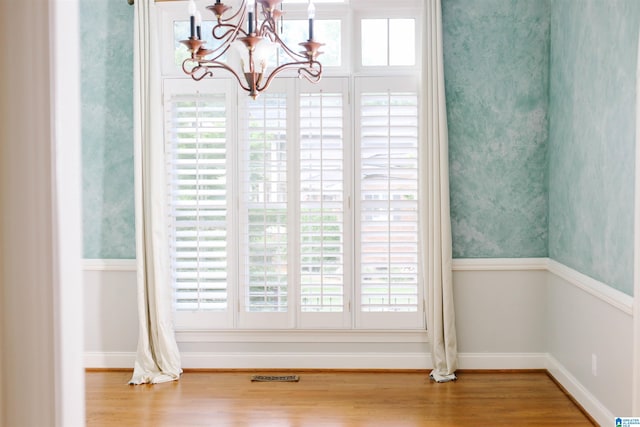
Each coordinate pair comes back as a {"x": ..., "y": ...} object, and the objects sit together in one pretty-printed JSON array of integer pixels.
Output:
[
  {"x": 264, "y": 212},
  {"x": 324, "y": 253},
  {"x": 198, "y": 210},
  {"x": 388, "y": 202}
]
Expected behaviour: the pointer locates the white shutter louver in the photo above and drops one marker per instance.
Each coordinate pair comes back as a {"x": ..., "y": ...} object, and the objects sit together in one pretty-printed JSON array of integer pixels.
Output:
[
  {"x": 197, "y": 187},
  {"x": 322, "y": 249},
  {"x": 389, "y": 202},
  {"x": 276, "y": 238},
  {"x": 264, "y": 198}
]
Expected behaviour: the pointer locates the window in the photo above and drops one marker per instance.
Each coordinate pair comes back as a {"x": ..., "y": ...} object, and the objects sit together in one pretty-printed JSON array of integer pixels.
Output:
[
  {"x": 388, "y": 42},
  {"x": 387, "y": 186},
  {"x": 297, "y": 210},
  {"x": 198, "y": 207},
  {"x": 322, "y": 207}
]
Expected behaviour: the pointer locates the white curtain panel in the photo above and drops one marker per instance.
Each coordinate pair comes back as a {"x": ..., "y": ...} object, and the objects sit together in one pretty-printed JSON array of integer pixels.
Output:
[
  {"x": 158, "y": 358},
  {"x": 436, "y": 232}
]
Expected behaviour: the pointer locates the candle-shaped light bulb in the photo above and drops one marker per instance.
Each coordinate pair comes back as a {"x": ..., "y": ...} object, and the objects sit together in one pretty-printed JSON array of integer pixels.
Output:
[
  {"x": 199, "y": 24},
  {"x": 192, "y": 18},
  {"x": 250, "y": 7},
  {"x": 311, "y": 10},
  {"x": 311, "y": 13}
]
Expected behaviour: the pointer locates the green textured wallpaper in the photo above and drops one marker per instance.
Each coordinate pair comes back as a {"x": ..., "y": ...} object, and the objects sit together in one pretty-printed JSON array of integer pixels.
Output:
[
  {"x": 496, "y": 63},
  {"x": 496, "y": 56},
  {"x": 591, "y": 137},
  {"x": 540, "y": 98},
  {"x": 107, "y": 128}
]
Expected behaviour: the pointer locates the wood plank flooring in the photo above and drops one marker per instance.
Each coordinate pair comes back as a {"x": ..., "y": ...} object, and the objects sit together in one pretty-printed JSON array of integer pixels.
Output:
[{"x": 332, "y": 399}]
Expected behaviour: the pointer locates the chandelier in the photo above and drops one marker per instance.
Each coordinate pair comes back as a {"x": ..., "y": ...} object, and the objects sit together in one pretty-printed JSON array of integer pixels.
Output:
[{"x": 249, "y": 41}]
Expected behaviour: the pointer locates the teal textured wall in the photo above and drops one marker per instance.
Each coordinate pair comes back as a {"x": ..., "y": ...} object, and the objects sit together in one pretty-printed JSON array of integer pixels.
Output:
[
  {"x": 496, "y": 63},
  {"x": 107, "y": 128},
  {"x": 540, "y": 98},
  {"x": 496, "y": 57},
  {"x": 592, "y": 137}
]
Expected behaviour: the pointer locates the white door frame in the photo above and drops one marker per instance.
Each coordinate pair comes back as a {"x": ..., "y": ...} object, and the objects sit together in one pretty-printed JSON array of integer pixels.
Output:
[{"x": 635, "y": 403}]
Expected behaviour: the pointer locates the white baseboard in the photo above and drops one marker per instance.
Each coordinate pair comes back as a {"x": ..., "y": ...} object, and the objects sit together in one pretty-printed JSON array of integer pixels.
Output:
[
  {"x": 588, "y": 401},
  {"x": 204, "y": 360},
  {"x": 109, "y": 360}
]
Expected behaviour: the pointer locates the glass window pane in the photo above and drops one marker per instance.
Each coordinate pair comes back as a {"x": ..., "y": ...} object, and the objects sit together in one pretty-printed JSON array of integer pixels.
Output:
[
  {"x": 374, "y": 42},
  {"x": 325, "y": 31},
  {"x": 402, "y": 42},
  {"x": 181, "y": 32}
]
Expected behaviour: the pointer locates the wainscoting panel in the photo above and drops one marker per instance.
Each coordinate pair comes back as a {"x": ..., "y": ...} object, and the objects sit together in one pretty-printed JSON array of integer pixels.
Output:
[
  {"x": 590, "y": 338},
  {"x": 110, "y": 310}
]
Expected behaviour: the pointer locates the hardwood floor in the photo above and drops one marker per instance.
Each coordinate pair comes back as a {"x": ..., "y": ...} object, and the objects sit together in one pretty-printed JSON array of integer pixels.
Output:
[{"x": 404, "y": 399}]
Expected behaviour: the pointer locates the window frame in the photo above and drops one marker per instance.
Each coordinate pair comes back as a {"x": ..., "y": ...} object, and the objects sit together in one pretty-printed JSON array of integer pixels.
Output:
[
  {"x": 378, "y": 320},
  {"x": 401, "y": 11},
  {"x": 351, "y": 319}
]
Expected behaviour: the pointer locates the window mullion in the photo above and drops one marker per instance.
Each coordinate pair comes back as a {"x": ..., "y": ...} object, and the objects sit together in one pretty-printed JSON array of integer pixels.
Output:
[
  {"x": 293, "y": 220},
  {"x": 389, "y": 195},
  {"x": 233, "y": 202}
]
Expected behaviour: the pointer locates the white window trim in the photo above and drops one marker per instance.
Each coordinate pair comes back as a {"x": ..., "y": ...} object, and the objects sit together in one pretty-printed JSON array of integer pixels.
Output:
[
  {"x": 294, "y": 321},
  {"x": 395, "y": 13},
  {"x": 303, "y": 336}
]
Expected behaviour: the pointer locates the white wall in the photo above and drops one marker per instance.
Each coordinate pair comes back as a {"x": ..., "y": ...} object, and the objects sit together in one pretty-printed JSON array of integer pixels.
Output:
[
  {"x": 110, "y": 307},
  {"x": 500, "y": 311}
]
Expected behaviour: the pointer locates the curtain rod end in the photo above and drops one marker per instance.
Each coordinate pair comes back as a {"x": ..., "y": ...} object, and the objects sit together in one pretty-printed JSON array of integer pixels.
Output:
[{"x": 131, "y": 2}]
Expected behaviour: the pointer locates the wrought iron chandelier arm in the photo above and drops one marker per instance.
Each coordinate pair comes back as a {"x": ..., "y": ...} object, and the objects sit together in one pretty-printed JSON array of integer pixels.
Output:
[
  {"x": 268, "y": 25},
  {"x": 231, "y": 33},
  {"x": 200, "y": 55},
  {"x": 275, "y": 38},
  {"x": 309, "y": 73},
  {"x": 241, "y": 11},
  {"x": 206, "y": 66},
  {"x": 229, "y": 37},
  {"x": 197, "y": 72}
]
